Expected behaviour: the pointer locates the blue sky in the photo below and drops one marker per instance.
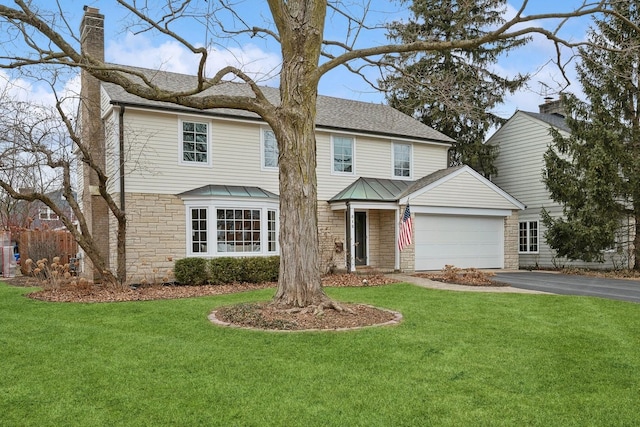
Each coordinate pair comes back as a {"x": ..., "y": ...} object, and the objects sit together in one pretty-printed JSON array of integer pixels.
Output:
[{"x": 262, "y": 56}]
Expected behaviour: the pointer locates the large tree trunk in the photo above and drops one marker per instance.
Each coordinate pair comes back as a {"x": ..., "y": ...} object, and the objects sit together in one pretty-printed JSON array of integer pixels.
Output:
[
  {"x": 299, "y": 284},
  {"x": 636, "y": 238},
  {"x": 300, "y": 24}
]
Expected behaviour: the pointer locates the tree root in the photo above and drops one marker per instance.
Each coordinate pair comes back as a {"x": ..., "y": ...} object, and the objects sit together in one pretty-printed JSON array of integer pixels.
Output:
[{"x": 318, "y": 309}]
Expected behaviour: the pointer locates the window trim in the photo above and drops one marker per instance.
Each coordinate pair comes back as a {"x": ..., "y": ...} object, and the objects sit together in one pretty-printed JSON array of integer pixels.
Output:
[
  {"x": 529, "y": 236},
  {"x": 393, "y": 160},
  {"x": 48, "y": 213},
  {"x": 212, "y": 206},
  {"x": 353, "y": 155},
  {"x": 190, "y": 229},
  {"x": 194, "y": 163},
  {"x": 263, "y": 166}
]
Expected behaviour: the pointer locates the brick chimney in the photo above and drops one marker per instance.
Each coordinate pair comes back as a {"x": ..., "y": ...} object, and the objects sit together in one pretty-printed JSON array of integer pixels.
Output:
[
  {"x": 92, "y": 134},
  {"x": 552, "y": 107}
]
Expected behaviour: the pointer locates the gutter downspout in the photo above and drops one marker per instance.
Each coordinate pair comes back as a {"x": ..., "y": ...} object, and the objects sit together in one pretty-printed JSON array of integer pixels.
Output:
[
  {"x": 121, "y": 154},
  {"x": 121, "y": 165}
]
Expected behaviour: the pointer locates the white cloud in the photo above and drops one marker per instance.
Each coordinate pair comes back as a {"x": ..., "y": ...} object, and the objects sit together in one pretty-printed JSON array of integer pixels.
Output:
[{"x": 139, "y": 50}]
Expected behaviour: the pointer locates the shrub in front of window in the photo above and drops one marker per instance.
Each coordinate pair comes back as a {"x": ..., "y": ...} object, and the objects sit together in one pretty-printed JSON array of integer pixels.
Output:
[
  {"x": 191, "y": 271},
  {"x": 261, "y": 269},
  {"x": 223, "y": 270},
  {"x": 244, "y": 270}
]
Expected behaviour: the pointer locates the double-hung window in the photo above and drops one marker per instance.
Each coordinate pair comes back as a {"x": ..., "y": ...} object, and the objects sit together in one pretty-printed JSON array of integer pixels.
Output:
[
  {"x": 528, "y": 237},
  {"x": 401, "y": 160},
  {"x": 194, "y": 142},
  {"x": 269, "y": 150},
  {"x": 342, "y": 150}
]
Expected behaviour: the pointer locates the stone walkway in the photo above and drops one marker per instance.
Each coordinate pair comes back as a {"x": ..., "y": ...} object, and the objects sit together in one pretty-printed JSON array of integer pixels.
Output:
[{"x": 432, "y": 284}]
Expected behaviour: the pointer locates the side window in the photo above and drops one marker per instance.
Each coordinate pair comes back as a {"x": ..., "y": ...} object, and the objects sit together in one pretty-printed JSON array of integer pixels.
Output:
[
  {"x": 199, "y": 230},
  {"x": 194, "y": 142},
  {"x": 269, "y": 150},
  {"x": 342, "y": 150},
  {"x": 528, "y": 237},
  {"x": 401, "y": 160}
]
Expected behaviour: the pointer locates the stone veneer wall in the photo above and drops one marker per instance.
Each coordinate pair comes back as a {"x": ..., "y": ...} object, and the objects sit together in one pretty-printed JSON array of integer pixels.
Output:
[
  {"x": 156, "y": 235},
  {"x": 156, "y": 238},
  {"x": 511, "y": 257},
  {"x": 387, "y": 251},
  {"x": 331, "y": 230},
  {"x": 382, "y": 243}
]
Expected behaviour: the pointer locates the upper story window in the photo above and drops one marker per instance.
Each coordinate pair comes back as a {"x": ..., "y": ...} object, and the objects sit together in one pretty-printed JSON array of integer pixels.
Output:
[
  {"x": 46, "y": 214},
  {"x": 528, "y": 237},
  {"x": 195, "y": 142},
  {"x": 269, "y": 150},
  {"x": 343, "y": 153},
  {"x": 401, "y": 160}
]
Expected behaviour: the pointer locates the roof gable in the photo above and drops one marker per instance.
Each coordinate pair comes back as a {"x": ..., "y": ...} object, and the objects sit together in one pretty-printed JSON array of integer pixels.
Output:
[
  {"x": 332, "y": 113},
  {"x": 459, "y": 186},
  {"x": 552, "y": 120}
]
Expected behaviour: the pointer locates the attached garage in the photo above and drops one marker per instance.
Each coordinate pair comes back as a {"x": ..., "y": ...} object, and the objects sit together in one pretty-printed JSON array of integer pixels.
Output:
[
  {"x": 459, "y": 218},
  {"x": 461, "y": 240}
]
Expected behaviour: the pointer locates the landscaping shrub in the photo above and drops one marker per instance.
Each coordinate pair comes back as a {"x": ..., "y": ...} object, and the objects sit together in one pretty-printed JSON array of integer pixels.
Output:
[
  {"x": 261, "y": 269},
  {"x": 245, "y": 269},
  {"x": 191, "y": 271},
  {"x": 217, "y": 271}
]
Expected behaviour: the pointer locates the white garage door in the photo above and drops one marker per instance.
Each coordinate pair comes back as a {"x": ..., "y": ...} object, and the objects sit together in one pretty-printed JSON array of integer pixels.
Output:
[{"x": 463, "y": 241}]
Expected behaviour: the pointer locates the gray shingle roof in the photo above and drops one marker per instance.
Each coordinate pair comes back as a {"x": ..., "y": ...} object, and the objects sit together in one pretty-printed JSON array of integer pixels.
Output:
[
  {"x": 555, "y": 120},
  {"x": 332, "y": 113}
]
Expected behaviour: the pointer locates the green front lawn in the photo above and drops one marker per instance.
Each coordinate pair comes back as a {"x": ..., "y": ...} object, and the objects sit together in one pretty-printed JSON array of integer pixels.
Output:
[{"x": 456, "y": 359}]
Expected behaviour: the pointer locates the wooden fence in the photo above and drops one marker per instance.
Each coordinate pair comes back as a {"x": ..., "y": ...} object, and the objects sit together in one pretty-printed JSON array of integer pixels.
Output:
[{"x": 38, "y": 244}]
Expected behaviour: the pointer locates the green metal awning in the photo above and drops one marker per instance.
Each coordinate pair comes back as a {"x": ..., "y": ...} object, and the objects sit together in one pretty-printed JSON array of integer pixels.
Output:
[
  {"x": 372, "y": 189},
  {"x": 230, "y": 191}
]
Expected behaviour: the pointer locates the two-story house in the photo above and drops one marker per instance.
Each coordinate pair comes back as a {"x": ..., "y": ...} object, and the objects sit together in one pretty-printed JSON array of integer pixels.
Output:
[
  {"x": 205, "y": 183},
  {"x": 522, "y": 142}
]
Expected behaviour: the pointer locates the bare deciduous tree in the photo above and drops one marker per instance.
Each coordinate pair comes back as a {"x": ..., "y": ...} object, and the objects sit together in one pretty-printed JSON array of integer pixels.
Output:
[
  {"x": 38, "y": 141},
  {"x": 299, "y": 27}
]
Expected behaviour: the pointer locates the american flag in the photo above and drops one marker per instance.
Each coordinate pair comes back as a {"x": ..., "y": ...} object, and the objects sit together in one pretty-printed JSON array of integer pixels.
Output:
[{"x": 406, "y": 225}]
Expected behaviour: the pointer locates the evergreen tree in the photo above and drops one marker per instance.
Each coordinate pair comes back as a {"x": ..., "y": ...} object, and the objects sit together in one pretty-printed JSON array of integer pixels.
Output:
[
  {"x": 453, "y": 91},
  {"x": 595, "y": 172}
]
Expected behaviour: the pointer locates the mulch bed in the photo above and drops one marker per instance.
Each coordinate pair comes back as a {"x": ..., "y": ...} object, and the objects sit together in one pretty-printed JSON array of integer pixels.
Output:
[
  {"x": 258, "y": 316},
  {"x": 92, "y": 293}
]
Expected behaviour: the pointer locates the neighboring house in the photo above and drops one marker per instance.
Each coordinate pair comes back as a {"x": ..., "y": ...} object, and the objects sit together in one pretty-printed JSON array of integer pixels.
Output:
[
  {"x": 205, "y": 183},
  {"x": 522, "y": 142},
  {"x": 38, "y": 216}
]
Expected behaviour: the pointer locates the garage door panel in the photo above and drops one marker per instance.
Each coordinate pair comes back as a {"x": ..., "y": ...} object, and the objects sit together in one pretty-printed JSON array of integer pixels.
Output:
[{"x": 463, "y": 241}]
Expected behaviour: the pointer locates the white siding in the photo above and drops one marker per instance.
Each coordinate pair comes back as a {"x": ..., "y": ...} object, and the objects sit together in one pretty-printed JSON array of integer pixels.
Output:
[
  {"x": 153, "y": 157},
  {"x": 463, "y": 190},
  {"x": 373, "y": 159},
  {"x": 522, "y": 142},
  {"x": 112, "y": 153}
]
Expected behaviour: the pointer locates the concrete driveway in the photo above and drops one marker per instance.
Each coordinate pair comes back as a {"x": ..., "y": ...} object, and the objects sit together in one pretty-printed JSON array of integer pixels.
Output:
[{"x": 565, "y": 284}]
